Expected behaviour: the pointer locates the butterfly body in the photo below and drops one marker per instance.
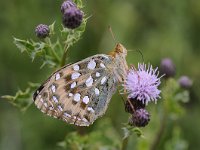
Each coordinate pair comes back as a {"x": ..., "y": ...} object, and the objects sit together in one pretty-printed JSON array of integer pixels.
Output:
[{"x": 79, "y": 93}]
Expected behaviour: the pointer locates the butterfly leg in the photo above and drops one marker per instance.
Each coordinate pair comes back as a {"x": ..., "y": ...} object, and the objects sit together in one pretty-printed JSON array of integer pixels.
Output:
[{"x": 125, "y": 91}]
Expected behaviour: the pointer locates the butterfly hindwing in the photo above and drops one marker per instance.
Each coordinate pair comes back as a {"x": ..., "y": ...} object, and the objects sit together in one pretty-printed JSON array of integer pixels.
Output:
[{"x": 78, "y": 93}]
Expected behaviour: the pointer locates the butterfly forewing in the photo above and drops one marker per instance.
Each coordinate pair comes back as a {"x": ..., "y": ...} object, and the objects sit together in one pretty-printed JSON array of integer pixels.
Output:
[{"x": 78, "y": 93}]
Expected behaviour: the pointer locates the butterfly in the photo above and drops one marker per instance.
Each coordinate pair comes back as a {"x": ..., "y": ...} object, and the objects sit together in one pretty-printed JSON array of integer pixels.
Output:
[{"x": 79, "y": 93}]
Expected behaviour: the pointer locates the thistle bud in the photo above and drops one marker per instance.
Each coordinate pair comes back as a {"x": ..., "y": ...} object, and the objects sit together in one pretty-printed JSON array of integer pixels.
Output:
[
  {"x": 66, "y": 5},
  {"x": 140, "y": 118},
  {"x": 72, "y": 18},
  {"x": 185, "y": 82},
  {"x": 42, "y": 31},
  {"x": 167, "y": 67}
]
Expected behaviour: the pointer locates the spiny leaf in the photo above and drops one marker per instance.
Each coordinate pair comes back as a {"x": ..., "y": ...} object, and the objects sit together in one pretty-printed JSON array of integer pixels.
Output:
[
  {"x": 51, "y": 28},
  {"x": 129, "y": 130},
  {"x": 79, "y": 3},
  {"x": 22, "y": 99},
  {"x": 23, "y": 45}
]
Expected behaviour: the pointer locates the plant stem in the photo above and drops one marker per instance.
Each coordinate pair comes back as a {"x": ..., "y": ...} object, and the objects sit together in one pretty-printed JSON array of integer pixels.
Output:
[
  {"x": 125, "y": 143},
  {"x": 160, "y": 132},
  {"x": 48, "y": 41},
  {"x": 62, "y": 63}
]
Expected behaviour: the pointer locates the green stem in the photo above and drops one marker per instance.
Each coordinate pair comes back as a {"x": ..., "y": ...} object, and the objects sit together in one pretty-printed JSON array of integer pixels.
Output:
[
  {"x": 48, "y": 41},
  {"x": 125, "y": 143},
  {"x": 160, "y": 132},
  {"x": 64, "y": 55}
]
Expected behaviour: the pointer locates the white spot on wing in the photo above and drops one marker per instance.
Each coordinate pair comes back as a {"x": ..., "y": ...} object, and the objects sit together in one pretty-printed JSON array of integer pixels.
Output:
[
  {"x": 96, "y": 91},
  {"x": 76, "y": 67},
  {"x": 57, "y": 76},
  {"x": 67, "y": 115},
  {"x": 45, "y": 105},
  {"x": 91, "y": 65},
  {"x": 55, "y": 99},
  {"x": 50, "y": 108},
  {"x": 85, "y": 120},
  {"x": 73, "y": 85},
  {"x": 75, "y": 75},
  {"x": 41, "y": 100},
  {"x": 53, "y": 88},
  {"x": 97, "y": 74},
  {"x": 106, "y": 57},
  {"x": 60, "y": 108},
  {"x": 89, "y": 81},
  {"x": 77, "y": 97},
  {"x": 102, "y": 65},
  {"x": 103, "y": 80},
  {"x": 70, "y": 94},
  {"x": 90, "y": 109},
  {"x": 86, "y": 100}
]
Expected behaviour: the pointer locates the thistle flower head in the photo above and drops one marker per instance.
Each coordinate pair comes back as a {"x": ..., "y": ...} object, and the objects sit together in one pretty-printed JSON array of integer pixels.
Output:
[
  {"x": 185, "y": 82},
  {"x": 142, "y": 84},
  {"x": 167, "y": 67},
  {"x": 72, "y": 17},
  {"x": 42, "y": 31},
  {"x": 140, "y": 118}
]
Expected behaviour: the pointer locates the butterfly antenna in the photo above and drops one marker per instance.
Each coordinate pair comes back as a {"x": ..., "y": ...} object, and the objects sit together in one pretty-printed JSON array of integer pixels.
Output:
[
  {"x": 141, "y": 55},
  {"x": 130, "y": 50},
  {"x": 111, "y": 32}
]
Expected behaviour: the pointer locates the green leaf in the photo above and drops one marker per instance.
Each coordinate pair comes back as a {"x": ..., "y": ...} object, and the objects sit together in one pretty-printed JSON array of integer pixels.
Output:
[
  {"x": 183, "y": 96},
  {"x": 176, "y": 142},
  {"x": 104, "y": 137},
  {"x": 43, "y": 50},
  {"x": 129, "y": 130},
  {"x": 79, "y": 3},
  {"x": 23, "y": 45},
  {"x": 22, "y": 99},
  {"x": 52, "y": 28},
  {"x": 171, "y": 94}
]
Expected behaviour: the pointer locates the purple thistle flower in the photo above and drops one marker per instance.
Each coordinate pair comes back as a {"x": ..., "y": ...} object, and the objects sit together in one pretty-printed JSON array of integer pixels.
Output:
[
  {"x": 185, "y": 82},
  {"x": 142, "y": 84}
]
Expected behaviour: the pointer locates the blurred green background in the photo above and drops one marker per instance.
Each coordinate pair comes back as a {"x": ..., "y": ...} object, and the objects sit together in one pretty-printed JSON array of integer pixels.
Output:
[{"x": 159, "y": 28}]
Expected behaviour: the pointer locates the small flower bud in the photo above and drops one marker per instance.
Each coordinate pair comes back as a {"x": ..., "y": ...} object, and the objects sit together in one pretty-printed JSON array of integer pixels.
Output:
[
  {"x": 42, "y": 31},
  {"x": 167, "y": 67},
  {"x": 140, "y": 118},
  {"x": 67, "y": 4},
  {"x": 136, "y": 105},
  {"x": 185, "y": 82},
  {"x": 72, "y": 18}
]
